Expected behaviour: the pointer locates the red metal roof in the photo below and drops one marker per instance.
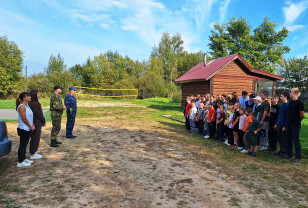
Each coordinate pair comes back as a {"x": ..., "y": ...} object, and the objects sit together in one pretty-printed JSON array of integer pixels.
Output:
[{"x": 201, "y": 72}]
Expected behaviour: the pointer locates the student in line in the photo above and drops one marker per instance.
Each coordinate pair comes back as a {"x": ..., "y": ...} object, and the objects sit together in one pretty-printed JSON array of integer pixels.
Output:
[
  {"x": 192, "y": 116},
  {"x": 229, "y": 124},
  {"x": 272, "y": 133},
  {"x": 220, "y": 124},
  {"x": 246, "y": 131},
  {"x": 212, "y": 120},
  {"x": 242, "y": 121},
  {"x": 235, "y": 124},
  {"x": 281, "y": 126},
  {"x": 200, "y": 119},
  {"x": 295, "y": 116},
  {"x": 254, "y": 129},
  {"x": 25, "y": 126},
  {"x": 250, "y": 103},
  {"x": 243, "y": 99},
  {"x": 186, "y": 113},
  {"x": 264, "y": 120}
]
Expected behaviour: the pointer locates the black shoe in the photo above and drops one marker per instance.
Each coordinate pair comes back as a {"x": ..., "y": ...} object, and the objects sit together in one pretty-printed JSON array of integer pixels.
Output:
[
  {"x": 254, "y": 154},
  {"x": 54, "y": 143},
  {"x": 297, "y": 160},
  {"x": 71, "y": 137},
  {"x": 58, "y": 142},
  {"x": 284, "y": 156}
]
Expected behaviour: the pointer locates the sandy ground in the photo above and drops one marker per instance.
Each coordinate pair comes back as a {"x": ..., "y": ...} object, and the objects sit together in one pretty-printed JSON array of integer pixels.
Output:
[{"x": 117, "y": 164}]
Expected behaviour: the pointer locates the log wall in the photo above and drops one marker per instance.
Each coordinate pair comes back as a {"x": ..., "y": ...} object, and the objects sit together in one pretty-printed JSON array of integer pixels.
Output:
[{"x": 194, "y": 88}]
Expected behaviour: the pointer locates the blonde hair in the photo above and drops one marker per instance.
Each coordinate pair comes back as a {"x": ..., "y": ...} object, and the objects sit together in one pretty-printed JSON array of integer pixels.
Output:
[{"x": 296, "y": 91}]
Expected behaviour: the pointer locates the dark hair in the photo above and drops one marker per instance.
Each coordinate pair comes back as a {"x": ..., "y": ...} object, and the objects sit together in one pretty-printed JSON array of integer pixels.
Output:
[
  {"x": 193, "y": 100},
  {"x": 265, "y": 93},
  {"x": 34, "y": 98},
  {"x": 285, "y": 94},
  {"x": 249, "y": 110},
  {"x": 21, "y": 97},
  {"x": 254, "y": 114},
  {"x": 242, "y": 109}
]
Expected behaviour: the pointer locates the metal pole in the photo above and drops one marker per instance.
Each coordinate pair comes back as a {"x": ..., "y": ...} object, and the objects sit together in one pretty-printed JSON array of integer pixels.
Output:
[{"x": 26, "y": 80}]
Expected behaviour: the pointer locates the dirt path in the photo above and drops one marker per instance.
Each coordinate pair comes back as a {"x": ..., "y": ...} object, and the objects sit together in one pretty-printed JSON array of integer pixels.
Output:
[{"x": 120, "y": 165}]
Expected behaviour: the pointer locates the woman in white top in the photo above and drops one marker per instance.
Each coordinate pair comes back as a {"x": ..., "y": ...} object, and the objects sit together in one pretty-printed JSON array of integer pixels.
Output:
[{"x": 25, "y": 126}]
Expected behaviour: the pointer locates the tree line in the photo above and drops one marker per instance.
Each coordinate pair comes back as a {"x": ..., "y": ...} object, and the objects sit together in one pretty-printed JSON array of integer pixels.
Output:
[{"x": 261, "y": 47}]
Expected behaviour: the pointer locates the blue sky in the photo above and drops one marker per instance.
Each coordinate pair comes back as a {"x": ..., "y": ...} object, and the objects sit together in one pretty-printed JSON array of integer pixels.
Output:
[{"x": 78, "y": 29}]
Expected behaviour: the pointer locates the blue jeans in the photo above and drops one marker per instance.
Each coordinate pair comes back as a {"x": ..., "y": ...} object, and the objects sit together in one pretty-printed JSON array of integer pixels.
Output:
[
  {"x": 192, "y": 125},
  {"x": 221, "y": 130},
  {"x": 207, "y": 129}
]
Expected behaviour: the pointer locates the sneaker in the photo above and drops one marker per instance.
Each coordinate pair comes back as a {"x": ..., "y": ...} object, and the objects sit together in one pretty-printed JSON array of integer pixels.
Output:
[
  {"x": 297, "y": 160},
  {"x": 226, "y": 141},
  {"x": 263, "y": 148},
  {"x": 28, "y": 161},
  {"x": 244, "y": 151},
  {"x": 254, "y": 154},
  {"x": 34, "y": 157},
  {"x": 240, "y": 148},
  {"x": 23, "y": 164},
  {"x": 228, "y": 144},
  {"x": 285, "y": 156},
  {"x": 207, "y": 136},
  {"x": 38, "y": 155}
]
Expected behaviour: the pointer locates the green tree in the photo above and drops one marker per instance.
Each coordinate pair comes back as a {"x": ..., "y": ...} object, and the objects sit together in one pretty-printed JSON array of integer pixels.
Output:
[
  {"x": 262, "y": 48},
  {"x": 169, "y": 50},
  {"x": 11, "y": 63},
  {"x": 295, "y": 73},
  {"x": 55, "y": 64}
]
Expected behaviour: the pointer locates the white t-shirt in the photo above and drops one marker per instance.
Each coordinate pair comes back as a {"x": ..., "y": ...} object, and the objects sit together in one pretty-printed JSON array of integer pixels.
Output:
[
  {"x": 192, "y": 113},
  {"x": 29, "y": 116}
]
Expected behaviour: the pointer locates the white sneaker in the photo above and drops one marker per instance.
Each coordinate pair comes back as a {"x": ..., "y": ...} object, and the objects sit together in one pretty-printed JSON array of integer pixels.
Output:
[
  {"x": 226, "y": 142},
  {"x": 38, "y": 155},
  {"x": 244, "y": 151},
  {"x": 206, "y": 136},
  {"x": 239, "y": 148},
  {"x": 34, "y": 157},
  {"x": 263, "y": 148},
  {"x": 23, "y": 164},
  {"x": 28, "y": 161}
]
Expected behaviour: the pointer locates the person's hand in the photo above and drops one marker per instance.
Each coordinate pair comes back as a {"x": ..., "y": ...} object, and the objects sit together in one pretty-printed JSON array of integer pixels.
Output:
[
  {"x": 255, "y": 132},
  {"x": 71, "y": 109},
  {"x": 32, "y": 127},
  {"x": 64, "y": 107},
  {"x": 284, "y": 129},
  {"x": 275, "y": 127},
  {"x": 261, "y": 122}
]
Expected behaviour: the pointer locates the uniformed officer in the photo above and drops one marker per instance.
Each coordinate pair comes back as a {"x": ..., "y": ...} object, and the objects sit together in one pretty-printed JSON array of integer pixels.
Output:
[
  {"x": 56, "y": 108},
  {"x": 71, "y": 109}
]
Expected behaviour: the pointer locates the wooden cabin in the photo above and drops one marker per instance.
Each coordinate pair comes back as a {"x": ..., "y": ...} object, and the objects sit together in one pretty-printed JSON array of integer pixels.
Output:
[{"x": 226, "y": 75}]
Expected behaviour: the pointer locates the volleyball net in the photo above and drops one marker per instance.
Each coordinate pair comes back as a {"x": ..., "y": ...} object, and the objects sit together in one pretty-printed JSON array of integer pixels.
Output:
[{"x": 106, "y": 93}]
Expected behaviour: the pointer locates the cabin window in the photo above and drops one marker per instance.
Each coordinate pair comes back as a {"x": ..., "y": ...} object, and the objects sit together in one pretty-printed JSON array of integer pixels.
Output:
[{"x": 264, "y": 86}]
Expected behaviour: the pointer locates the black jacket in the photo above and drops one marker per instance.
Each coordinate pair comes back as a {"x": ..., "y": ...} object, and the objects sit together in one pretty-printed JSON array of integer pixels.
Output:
[{"x": 38, "y": 117}]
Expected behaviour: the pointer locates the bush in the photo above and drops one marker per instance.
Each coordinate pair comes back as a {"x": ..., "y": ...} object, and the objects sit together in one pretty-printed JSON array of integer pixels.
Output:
[{"x": 177, "y": 97}]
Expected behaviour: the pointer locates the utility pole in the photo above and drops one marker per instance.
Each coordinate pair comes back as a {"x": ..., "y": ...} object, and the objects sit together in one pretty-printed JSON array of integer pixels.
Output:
[{"x": 26, "y": 80}]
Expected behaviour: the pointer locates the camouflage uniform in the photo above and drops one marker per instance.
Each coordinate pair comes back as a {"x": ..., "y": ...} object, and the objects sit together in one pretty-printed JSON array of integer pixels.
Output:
[{"x": 56, "y": 109}]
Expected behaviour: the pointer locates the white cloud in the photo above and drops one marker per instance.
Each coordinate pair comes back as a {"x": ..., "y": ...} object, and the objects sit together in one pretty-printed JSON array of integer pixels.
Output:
[
  {"x": 223, "y": 10},
  {"x": 292, "y": 11},
  {"x": 292, "y": 28}
]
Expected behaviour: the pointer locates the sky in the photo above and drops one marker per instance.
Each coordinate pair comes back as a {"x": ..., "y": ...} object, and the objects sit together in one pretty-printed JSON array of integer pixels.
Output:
[{"x": 78, "y": 29}]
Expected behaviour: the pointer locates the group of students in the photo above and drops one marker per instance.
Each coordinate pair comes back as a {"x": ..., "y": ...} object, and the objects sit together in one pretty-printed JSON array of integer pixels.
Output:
[
  {"x": 249, "y": 123},
  {"x": 31, "y": 120}
]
